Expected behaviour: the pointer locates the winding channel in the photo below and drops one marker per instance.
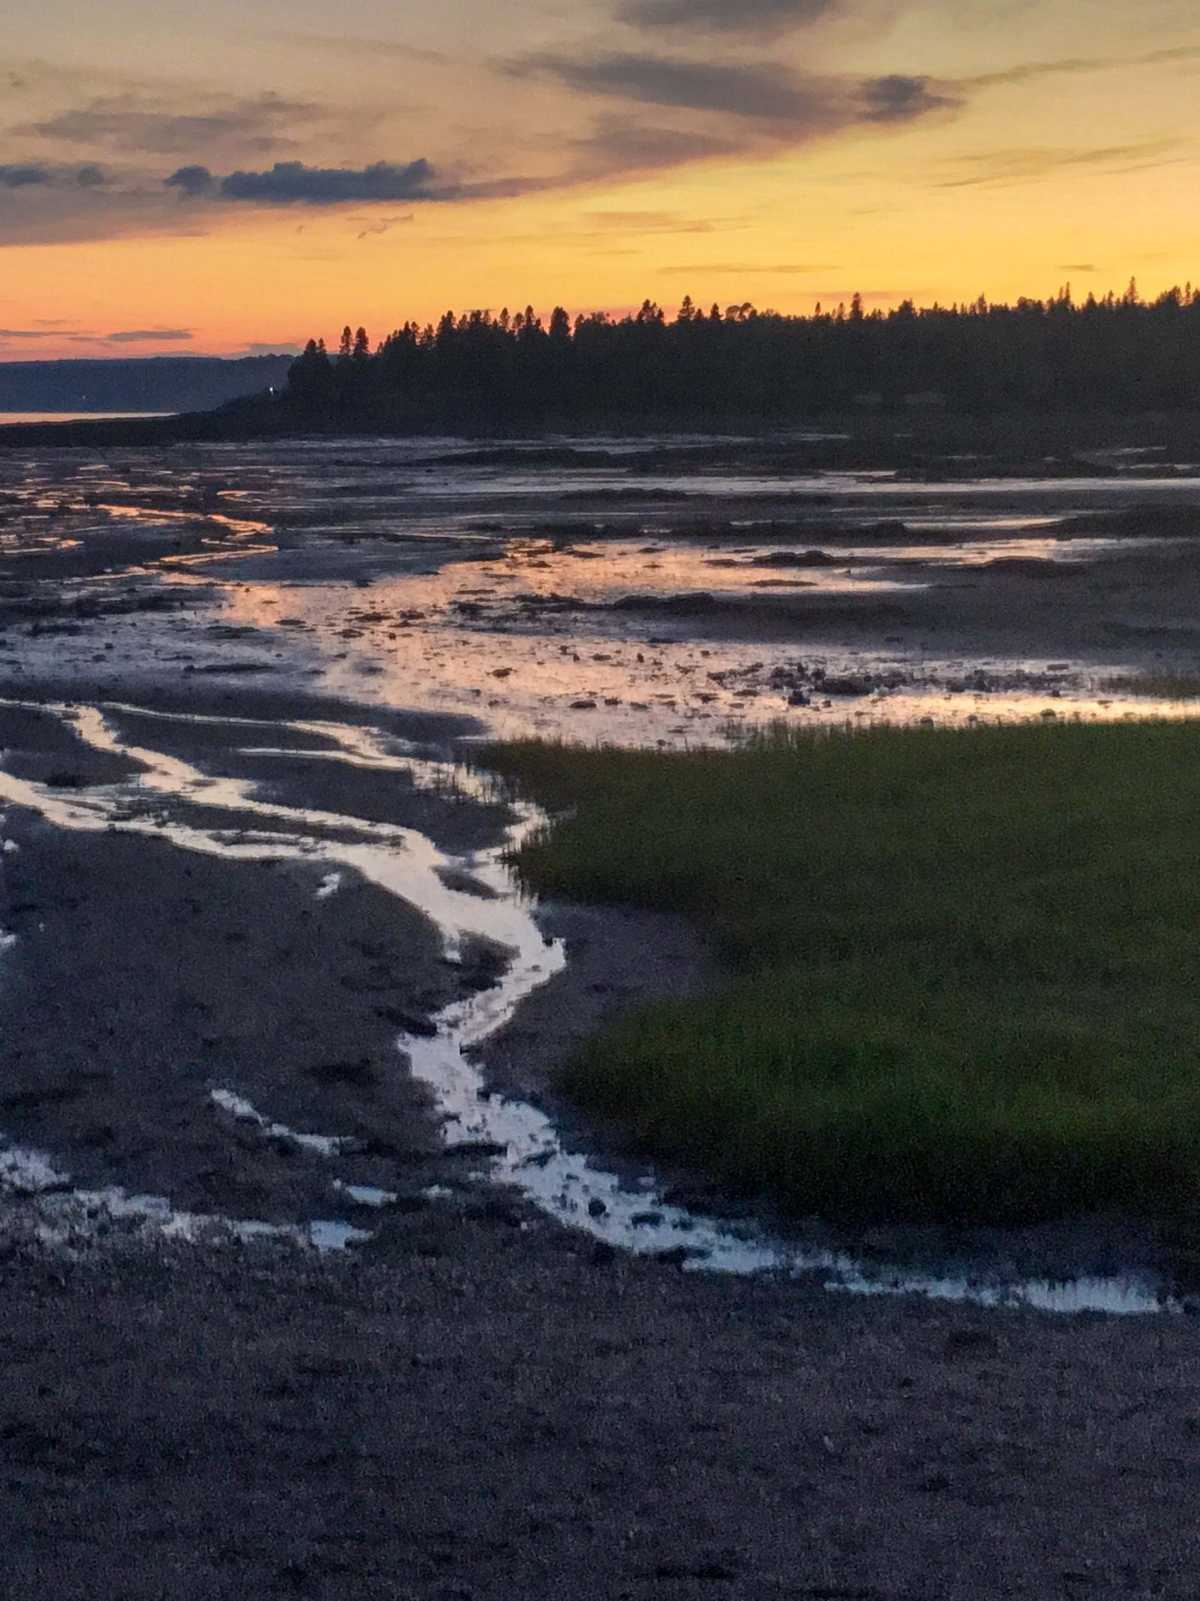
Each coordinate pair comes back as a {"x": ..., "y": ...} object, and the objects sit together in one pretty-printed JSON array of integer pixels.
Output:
[{"x": 530, "y": 1156}]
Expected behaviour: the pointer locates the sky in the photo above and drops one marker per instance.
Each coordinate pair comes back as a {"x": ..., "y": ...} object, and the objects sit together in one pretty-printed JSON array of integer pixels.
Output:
[{"x": 241, "y": 175}]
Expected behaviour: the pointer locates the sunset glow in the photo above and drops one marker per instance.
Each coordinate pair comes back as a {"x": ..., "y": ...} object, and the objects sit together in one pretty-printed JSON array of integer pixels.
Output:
[{"x": 225, "y": 179}]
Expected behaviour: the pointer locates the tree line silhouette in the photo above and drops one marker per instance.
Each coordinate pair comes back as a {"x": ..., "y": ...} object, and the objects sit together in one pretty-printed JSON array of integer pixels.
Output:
[{"x": 1115, "y": 353}]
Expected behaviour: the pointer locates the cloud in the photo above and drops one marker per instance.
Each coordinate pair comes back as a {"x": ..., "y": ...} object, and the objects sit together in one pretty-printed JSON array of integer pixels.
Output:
[
  {"x": 1020, "y": 165},
  {"x": 31, "y": 333},
  {"x": 42, "y": 175},
  {"x": 193, "y": 181},
  {"x": 794, "y": 105},
  {"x": 727, "y": 16},
  {"x": 23, "y": 176},
  {"x": 383, "y": 225},
  {"x": 897, "y": 98},
  {"x": 617, "y": 145},
  {"x": 143, "y": 336},
  {"x": 1029, "y": 71},
  {"x": 739, "y": 89},
  {"x": 1076, "y": 266},
  {"x": 142, "y": 124},
  {"x": 295, "y": 183},
  {"x": 292, "y": 182}
]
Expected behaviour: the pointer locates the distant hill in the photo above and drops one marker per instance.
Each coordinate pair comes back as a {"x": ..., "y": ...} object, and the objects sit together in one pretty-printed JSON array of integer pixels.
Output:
[{"x": 158, "y": 383}]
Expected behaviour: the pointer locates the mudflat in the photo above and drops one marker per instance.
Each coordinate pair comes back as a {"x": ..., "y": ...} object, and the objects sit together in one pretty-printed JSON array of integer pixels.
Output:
[
  {"x": 468, "y": 1399},
  {"x": 495, "y": 1413}
]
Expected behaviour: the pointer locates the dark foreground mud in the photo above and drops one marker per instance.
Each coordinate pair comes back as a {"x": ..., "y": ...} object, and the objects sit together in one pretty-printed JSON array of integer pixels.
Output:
[{"x": 497, "y": 1414}]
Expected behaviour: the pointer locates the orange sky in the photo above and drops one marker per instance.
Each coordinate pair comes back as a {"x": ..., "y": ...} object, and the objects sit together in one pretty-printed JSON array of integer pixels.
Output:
[{"x": 241, "y": 178}]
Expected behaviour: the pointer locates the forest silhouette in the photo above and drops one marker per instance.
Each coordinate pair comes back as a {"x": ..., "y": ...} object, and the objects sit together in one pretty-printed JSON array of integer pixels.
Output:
[{"x": 1116, "y": 353}]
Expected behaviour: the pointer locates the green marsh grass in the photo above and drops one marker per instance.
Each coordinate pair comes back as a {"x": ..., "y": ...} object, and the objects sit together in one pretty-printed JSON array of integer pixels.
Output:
[{"x": 963, "y": 965}]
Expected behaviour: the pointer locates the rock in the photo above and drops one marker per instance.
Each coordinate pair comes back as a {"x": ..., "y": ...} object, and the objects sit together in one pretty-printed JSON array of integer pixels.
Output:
[
  {"x": 848, "y": 684},
  {"x": 796, "y": 558},
  {"x": 597, "y": 1208}
]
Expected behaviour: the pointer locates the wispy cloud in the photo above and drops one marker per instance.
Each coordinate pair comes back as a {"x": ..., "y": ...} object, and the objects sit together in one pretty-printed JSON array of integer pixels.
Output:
[
  {"x": 383, "y": 225},
  {"x": 1020, "y": 165},
  {"x": 146, "y": 125},
  {"x": 1069, "y": 66},
  {"x": 359, "y": 46},
  {"x": 34, "y": 333},
  {"x": 795, "y": 105},
  {"x": 727, "y": 16},
  {"x": 147, "y": 336}
]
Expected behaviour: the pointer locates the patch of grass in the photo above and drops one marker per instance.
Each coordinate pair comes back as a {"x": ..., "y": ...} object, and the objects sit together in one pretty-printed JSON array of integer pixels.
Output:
[
  {"x": 1162, "y": 686},
  {"x": 964, "y": 965}
]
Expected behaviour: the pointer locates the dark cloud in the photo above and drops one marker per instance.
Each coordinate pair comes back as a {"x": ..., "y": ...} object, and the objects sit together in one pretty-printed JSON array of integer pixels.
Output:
[
  {"x": 143, "y": 336},
  {"x": 23, "y": 175},
  {"x": 295, "y": 183},
  {"x": 128, "y": 123},
  {"x": 30, "y": 333},
  {"x": 192, "y": 181},
  {"x": 897, "y": 98},
  {"x": 793, "y": 106},
  {"x": 1076, "y": 266},
  {"x": 743, "y": 90},
  {"x": 39, "y": 175},
  {"x": 727, "y": 16},
  {"x": 292, "y": 182}
]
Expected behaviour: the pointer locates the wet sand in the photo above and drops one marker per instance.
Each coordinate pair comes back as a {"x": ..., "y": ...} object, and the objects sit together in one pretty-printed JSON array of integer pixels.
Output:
[{"x": 475, "y": 1401}]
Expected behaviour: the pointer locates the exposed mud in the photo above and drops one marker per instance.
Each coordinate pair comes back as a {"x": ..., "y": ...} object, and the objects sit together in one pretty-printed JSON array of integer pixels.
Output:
[{"x": 206, "y": 1027}]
